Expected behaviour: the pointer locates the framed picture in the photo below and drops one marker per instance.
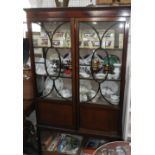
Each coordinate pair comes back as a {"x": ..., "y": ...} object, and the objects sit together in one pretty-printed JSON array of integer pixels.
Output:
[
  {"x": 109, "y": 39},
  {"x": 44, "y": 41},
  {"x": 95, "y": 43},
  {"x": 88, "y": 35},
  {"x": 59, "y": 36},
  {"x": 40, "y": 40},
  {"x": 56, "y": 42}
]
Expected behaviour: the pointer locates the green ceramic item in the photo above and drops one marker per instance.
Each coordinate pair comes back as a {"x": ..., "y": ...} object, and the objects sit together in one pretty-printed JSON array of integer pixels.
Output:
[{"x": 113, "y": 59}]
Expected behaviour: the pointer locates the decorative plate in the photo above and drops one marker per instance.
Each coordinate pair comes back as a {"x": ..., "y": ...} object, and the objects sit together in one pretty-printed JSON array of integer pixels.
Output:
[
  {"x": 47, "y": 86},
  {"x": 109, "y": 88},
  {"x": 59, "y": 84}
]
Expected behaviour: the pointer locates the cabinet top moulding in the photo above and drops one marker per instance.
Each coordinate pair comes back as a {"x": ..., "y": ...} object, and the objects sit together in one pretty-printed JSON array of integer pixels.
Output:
[{"x": 77, "y": 12}]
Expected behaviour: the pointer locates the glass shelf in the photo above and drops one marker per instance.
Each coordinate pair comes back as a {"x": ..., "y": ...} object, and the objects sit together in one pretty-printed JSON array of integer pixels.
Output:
[
  {"x": 99, "y": 79},
  {"x": 119, "y": 49},
  {"x": 51, "y": 47},
  {"x": 110, "y": 49},
  {"x": 69, "y": 77}
]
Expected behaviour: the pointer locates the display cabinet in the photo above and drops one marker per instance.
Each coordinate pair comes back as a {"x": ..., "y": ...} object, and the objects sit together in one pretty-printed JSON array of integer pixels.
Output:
[{"x": 78, "y": 58}]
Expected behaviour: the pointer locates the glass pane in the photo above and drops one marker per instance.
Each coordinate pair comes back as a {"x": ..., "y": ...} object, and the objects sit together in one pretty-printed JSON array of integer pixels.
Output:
[
  {"x": 88, "y": 91},
  {"x": 110, "y": 92},
  {"x": 40, "y": 36},
  {"x": 100, "y": 61},
  {"x": 106, "y": 93},
  {"x": 39, "y": 61},
  {"x": 107, "y": 35},
  {"x": 59, "y": 33},
  {"x": 53, "y": 61}
]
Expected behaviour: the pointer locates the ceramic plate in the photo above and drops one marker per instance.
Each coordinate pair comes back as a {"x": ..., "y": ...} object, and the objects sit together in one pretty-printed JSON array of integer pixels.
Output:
[
  {"x": 109, "y": 87},
  {"x": 48, "y": 86},
  {"x": 59, "y": 84}
]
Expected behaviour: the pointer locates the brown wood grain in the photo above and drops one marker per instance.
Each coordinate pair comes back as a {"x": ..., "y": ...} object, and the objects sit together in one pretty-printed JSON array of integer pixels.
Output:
[
  {"x": 99, "y": 119},
  {"x": 59, "y": 115}
]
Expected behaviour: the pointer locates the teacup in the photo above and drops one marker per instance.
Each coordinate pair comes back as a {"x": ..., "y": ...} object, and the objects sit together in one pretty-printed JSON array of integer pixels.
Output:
[
  {"x": 91, "y": 94},
  {"x": 100, "y": 76},
  {"x": 114, "y": 97},
  {"x": 109, "y": 76},
  {"x": 83, "y": 97},
  {"x": 109, "y": 91},
  {"x": 104, "y": 90},
  {"x": 116, "y": 76},
  {"x": 65, "y": 93}
]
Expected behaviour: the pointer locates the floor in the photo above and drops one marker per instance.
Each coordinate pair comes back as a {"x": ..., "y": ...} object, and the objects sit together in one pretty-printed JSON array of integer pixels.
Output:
[{"x": 30, "y": 149}]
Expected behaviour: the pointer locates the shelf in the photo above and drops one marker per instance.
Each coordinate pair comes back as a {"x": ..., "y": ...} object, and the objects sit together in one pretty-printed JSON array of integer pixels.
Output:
[
  {"x": 98, "y": 79},
  {"x": 58, "y": 143},
  {"x": 66, "y": 77},
  {"x": 115, "y": 49},
  {"x": 84, "y": 65},
  {"x": 51, "y": 62},
  {"x": 80, "y": 78},
  {"x": 51, "y": 47},
  {"x": 83, "y": 141}
]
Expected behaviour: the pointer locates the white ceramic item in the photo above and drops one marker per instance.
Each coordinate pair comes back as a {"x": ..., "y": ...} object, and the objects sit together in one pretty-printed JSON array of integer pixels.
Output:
[
  {"x": 114, "y": 97},
  {"x": 109, "y": 76},
  {"x": 48, "y": 86},
  {"x": 109, "y": 88},
  {"x": 83, "y": 97},
  {"x": 59, "y": 84},
  {"x": 100, "y": 76},
  {"x": 85, "y": 75},
  {"x": 66, "y": 93}
]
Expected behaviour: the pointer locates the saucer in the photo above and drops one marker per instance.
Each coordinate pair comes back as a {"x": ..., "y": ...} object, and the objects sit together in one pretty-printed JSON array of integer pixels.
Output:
[
  {"x": 117, "y": 65},
  {"x": 85, "y": 75},
  {"x": 114, "y": 97},
  {"x": 100, "y": 76}
]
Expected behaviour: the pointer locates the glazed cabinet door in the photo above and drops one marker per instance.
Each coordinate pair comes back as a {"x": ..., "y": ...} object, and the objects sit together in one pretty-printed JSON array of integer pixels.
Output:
[
  {"x": 54, "y": 73},
  {"x": 100, "y": 60}
]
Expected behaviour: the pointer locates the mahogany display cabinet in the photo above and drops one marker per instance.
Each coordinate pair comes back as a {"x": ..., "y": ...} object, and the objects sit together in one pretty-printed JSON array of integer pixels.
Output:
[{"x": 78, "y": 58}]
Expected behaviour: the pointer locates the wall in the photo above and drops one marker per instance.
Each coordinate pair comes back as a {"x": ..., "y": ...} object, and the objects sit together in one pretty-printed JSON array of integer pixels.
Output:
[{"x": 126, "y": 122}]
